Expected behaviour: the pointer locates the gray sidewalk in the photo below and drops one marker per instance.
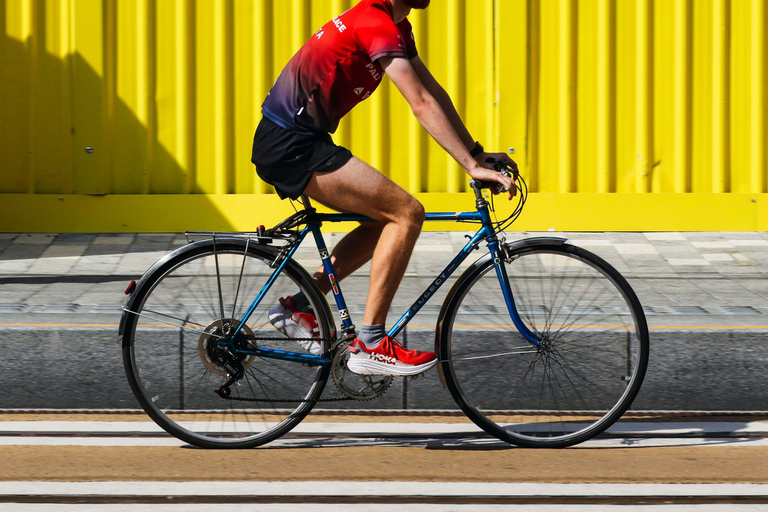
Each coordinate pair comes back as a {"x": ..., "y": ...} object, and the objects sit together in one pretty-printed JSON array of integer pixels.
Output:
[
  {"x": 716, "y": 279},
  {"x": 705, "y": 296}
]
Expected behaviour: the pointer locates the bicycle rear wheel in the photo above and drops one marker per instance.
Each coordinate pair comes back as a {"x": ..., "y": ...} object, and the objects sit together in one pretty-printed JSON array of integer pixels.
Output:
[
  {"x": 594, "y": 346},
  {"x": 173, "y": 322}
]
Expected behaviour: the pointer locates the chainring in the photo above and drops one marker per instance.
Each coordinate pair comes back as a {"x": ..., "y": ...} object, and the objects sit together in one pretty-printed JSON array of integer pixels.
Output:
[{"x": 352, "y": 385}]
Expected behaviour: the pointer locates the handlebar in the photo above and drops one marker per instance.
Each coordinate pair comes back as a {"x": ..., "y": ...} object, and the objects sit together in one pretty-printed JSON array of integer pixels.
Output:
[{"x": 504, "y": 166}]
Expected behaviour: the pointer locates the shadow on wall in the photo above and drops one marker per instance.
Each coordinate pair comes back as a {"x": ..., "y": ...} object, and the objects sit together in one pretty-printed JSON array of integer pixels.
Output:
[{"x": 54, "y": 108}]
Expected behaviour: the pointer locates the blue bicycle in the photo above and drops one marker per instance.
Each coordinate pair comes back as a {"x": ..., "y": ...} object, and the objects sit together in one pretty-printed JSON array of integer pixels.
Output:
[{"x": 540, "y": 343}]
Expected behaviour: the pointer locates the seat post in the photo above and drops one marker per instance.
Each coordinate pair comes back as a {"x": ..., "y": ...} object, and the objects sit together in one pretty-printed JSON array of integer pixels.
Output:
[{"x": 306, "y": 202}]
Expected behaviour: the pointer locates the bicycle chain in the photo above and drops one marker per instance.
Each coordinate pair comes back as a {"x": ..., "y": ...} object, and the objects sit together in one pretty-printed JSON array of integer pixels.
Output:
[
  {"x": 260, "y": 338},
  {"x": 287, "y": 400}
]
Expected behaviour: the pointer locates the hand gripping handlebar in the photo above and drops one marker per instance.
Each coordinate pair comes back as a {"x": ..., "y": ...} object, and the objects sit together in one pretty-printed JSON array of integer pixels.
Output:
[{"x": 504, "y": 166}]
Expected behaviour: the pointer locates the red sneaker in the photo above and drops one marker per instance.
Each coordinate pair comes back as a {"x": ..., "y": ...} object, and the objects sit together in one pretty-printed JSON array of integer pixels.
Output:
[
  {"x": 296, "y": 324},
  {"x": 388, "y": 358}
]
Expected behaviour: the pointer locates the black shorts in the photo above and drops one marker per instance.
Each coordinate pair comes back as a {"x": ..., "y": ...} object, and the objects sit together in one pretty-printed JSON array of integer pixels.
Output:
[{"x": 287, "y": 160}]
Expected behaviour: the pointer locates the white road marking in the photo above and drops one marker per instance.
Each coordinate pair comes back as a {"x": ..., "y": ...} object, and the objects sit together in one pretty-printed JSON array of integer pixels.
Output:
[
  {"x": 328, "y": 434},
  {"x": 372, "y": 507},
  {"x": 666, "y": 428},
  {"x": 382, "y": 440},
  {"x": 343, "y": 488}
]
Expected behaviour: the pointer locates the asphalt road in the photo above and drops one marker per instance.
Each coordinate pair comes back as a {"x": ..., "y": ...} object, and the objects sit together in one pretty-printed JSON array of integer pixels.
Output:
[{"x": 689, "y": 370}]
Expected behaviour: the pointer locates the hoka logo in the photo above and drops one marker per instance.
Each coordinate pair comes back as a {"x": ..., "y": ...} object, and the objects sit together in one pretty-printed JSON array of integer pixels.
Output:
[{"x": 384, "y": 359}]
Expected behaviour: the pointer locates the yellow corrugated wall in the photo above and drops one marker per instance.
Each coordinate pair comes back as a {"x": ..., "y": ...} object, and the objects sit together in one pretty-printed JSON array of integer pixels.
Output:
[{"x": 605, "y": 102}]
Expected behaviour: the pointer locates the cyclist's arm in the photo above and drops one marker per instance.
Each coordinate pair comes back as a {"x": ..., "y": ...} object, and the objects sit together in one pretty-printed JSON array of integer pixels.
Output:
[
  {"x": 432, "y": 117},
  {"x": 444, "y": 99}
]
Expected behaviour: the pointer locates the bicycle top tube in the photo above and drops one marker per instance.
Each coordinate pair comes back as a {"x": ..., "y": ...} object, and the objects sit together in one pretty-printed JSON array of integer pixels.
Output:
[{"x": 444, "y": 216}]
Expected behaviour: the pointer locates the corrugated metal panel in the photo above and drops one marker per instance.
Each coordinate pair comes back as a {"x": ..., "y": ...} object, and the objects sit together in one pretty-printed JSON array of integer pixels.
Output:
[{"x": 594, "y": 95}]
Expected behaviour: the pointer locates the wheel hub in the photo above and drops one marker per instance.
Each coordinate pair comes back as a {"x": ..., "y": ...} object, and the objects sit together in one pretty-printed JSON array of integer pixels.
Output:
[{"x": 214, "y": 357}]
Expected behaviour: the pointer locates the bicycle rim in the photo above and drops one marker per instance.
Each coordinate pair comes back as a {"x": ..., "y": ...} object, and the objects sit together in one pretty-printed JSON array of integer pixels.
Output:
[
  {"x": 170, "y": 348},
  {"x": 592, "y": 361}
]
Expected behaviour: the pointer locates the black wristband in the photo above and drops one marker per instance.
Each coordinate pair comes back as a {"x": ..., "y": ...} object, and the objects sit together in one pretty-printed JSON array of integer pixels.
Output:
[{"x": 477, "y": 150}]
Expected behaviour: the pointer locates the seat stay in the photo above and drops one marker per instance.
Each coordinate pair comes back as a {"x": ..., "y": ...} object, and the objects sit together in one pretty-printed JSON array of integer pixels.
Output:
[{"x": 272, "y": 279}]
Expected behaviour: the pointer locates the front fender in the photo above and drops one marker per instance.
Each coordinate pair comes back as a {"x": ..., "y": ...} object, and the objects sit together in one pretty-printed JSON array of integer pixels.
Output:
[{"x": 469, "y": 274}]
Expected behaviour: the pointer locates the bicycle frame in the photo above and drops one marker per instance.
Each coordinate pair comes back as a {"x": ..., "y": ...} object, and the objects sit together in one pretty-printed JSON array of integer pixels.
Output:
[{"x": 314, "y": 222}]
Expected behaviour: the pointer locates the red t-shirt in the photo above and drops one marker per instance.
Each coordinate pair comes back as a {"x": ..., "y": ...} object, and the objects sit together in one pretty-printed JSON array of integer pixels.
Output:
[{"x": 338, "y": 68}]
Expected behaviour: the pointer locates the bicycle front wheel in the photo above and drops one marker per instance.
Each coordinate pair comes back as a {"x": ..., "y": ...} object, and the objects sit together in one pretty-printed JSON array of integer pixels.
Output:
[
  {"x": 592, "y": 356},
  {"x": 175, "y": 318}
]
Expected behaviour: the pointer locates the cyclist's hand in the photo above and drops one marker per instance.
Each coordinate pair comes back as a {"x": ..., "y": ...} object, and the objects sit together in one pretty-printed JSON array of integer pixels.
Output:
[
  {"x": 482, "y": 159},
  {"x": 483, "y": 174}
]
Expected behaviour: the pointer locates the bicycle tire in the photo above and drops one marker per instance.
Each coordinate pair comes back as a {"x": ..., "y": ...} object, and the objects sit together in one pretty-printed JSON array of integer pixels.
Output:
[
  {"x": 549, "y": 415},
  {"x": 207, "y": 420}
]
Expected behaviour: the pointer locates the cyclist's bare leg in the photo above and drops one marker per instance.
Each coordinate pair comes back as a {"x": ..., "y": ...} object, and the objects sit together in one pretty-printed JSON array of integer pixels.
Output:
[
  {"x": 358, "y": 187},
  {"x": 350, "y": 253}
]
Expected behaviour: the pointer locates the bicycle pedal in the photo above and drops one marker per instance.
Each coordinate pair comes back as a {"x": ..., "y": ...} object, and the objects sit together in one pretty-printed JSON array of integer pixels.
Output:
[{"x": 417, "y": 376}]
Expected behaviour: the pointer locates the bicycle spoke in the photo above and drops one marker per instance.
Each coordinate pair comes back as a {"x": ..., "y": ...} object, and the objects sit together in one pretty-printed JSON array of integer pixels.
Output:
[{"x": 166, "y": 322}]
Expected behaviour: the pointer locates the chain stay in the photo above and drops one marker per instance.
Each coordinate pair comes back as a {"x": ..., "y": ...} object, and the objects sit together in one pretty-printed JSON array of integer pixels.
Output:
[
  {"x": 260, "y": 338},
  {"x": 286, "y": 400}
]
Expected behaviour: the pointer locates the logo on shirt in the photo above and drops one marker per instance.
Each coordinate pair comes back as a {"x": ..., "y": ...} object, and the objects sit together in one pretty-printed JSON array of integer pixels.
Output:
[
  {"x": 373, "y": 71},
  {"x": 359, "y": 90},
  {"x": 339, "y": 24}
]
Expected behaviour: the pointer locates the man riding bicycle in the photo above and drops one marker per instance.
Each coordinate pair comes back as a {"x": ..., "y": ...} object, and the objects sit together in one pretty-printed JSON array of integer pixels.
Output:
[{"x": 341, "y": 65}]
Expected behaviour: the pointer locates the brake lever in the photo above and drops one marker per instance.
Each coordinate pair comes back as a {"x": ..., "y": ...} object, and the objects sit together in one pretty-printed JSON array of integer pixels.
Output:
[{"x": 505, "y": 167}]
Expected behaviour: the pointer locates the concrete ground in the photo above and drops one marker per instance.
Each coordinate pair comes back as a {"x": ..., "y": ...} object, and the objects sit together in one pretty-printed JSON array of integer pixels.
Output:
[{"x": 705, "y": 296}]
